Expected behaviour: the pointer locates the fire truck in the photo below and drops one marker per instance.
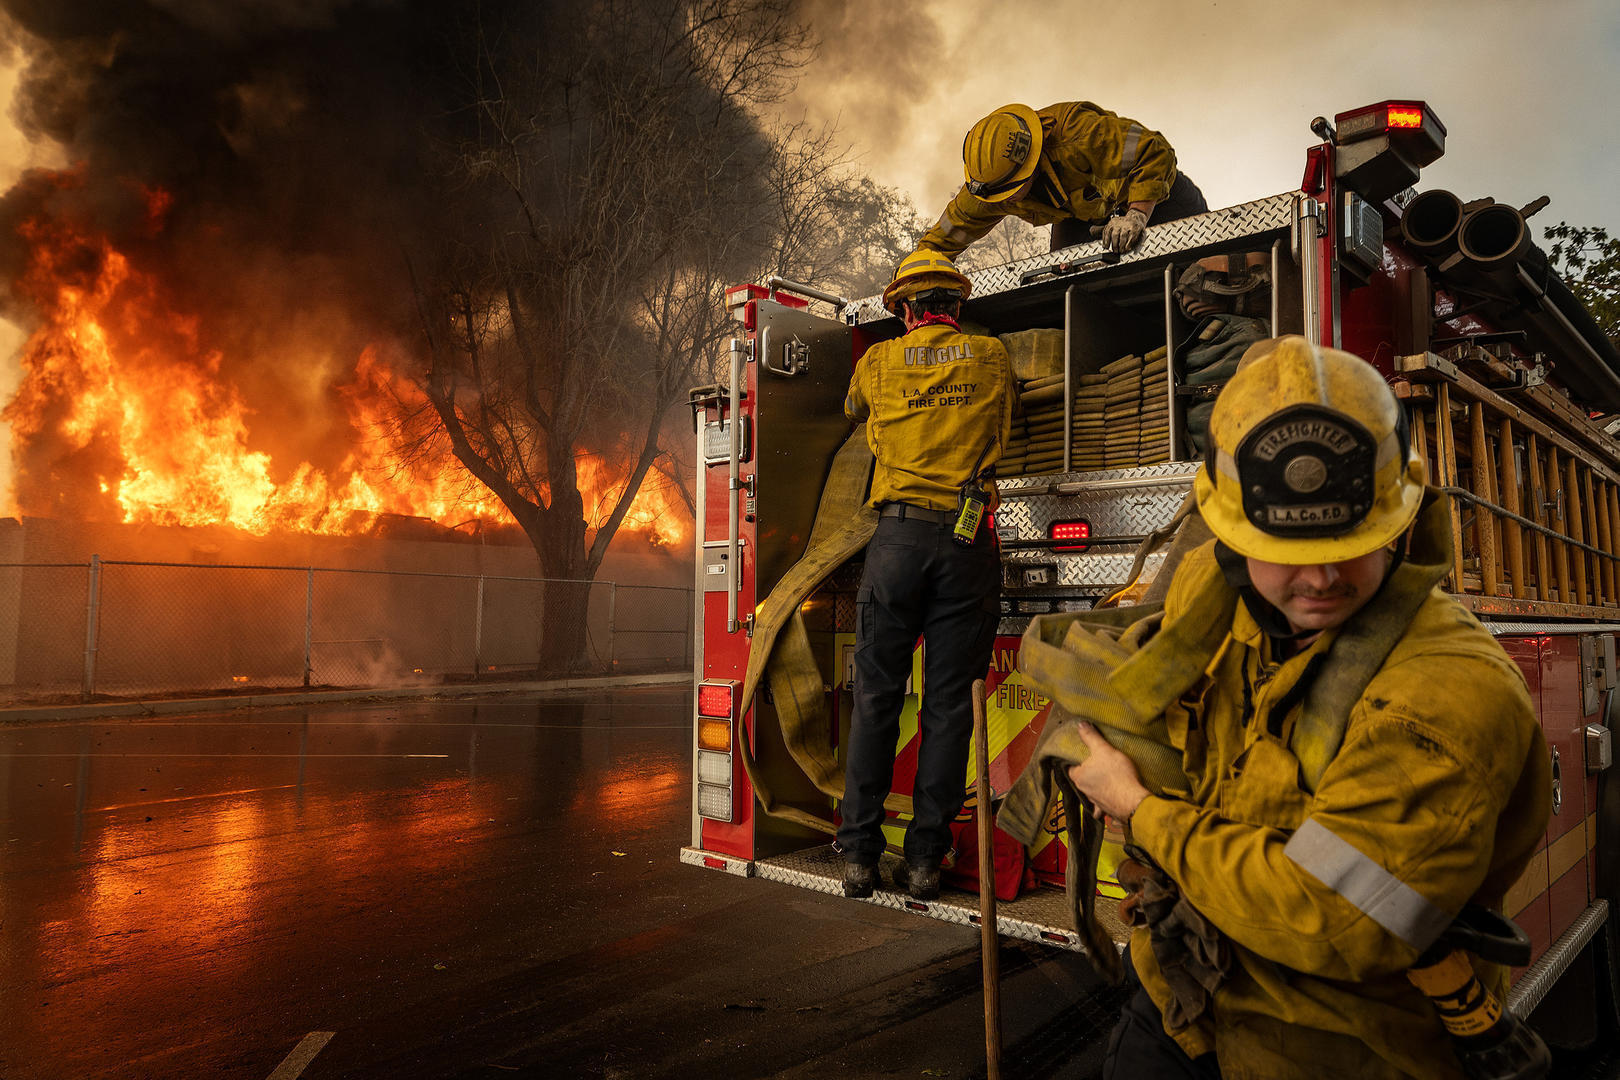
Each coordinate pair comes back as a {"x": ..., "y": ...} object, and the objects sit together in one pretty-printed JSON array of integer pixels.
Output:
[{"x": 1507, "y": 380}]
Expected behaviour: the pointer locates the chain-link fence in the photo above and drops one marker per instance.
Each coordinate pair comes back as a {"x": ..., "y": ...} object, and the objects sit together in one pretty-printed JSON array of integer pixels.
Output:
[{"x": 129, "y": 629}]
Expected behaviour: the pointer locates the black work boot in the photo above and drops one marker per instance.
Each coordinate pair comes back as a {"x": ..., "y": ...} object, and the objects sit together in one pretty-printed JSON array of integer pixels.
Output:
[
  {"x": 859, "y": 880},
  {"x": 920, "y": 879}
]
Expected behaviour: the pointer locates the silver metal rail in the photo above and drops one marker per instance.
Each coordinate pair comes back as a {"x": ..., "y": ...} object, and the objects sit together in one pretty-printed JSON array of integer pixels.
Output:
[
  {"x": 734, "y": 481},
  {"x": 1068, "y": 377},
  {"x": 838, "y": 302},
  {"x": 1307, "y": 231},
  {"x": 1170, "y": 355}
]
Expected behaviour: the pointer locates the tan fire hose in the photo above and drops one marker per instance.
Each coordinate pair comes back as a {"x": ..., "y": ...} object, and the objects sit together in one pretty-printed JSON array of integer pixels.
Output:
[{"x": 989, "y": 940}]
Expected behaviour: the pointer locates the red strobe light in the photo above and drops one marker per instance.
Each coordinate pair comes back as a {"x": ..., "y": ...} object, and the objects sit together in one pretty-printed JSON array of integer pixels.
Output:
[
  {"x": 1070, "y": 530},
  {"x": 1405, "y": 116}
]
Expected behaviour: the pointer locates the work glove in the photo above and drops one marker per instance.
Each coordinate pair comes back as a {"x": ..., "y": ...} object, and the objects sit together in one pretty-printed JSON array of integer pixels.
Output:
[
  {"x": 1193, "y": 955},
  {"x": 1120, "y": 234}
]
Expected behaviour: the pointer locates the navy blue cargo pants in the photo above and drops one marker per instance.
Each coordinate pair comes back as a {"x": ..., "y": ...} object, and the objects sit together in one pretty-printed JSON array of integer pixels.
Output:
[{"x": 918, "y": 580}]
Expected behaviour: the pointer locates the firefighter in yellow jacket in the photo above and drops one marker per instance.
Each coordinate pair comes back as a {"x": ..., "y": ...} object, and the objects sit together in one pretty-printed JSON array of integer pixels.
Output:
[
  {"x": 937, "y": 404},
  {"x": 1075, "y": 166},
  {"x": 1321, "y": 895}
]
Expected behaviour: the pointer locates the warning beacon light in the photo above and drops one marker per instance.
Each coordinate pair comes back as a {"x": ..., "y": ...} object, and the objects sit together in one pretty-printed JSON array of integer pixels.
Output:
[
  {"x": 1380, "y": 149},
  {"x": 1069, "y": 530}
]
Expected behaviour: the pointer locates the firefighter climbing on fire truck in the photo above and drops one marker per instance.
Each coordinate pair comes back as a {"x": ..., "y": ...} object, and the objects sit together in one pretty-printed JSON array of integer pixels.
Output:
[
  {"x": 1075, "y": 166},
  {"x": 1359, "y": 759},
  {"x": 937, "y": 404}
]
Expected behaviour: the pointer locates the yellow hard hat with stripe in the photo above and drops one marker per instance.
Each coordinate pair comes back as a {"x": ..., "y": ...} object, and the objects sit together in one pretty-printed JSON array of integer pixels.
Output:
[
  {"x": 1309, "y": 459},
  {"x": 1001, "y": 152},
  {"x": 923, "y": 271}
]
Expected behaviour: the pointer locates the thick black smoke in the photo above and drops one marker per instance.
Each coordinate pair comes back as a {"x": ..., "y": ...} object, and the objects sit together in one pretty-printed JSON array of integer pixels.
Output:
[
  {"x": 291, "y": 139},
  {"x": 290, "y": 169}
]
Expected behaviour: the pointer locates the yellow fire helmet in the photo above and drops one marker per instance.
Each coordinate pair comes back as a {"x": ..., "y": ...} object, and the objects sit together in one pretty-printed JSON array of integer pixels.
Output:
[
  {"x": 922, "y": 271},
  {"x": 1309, "y": 460},
  {"x": 1001, "y": 152}
]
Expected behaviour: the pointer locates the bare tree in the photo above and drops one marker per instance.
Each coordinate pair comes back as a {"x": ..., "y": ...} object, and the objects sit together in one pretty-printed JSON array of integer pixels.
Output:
[
  {"x": 1011, "y": 240},
  {"x": 611, "y": 178}
]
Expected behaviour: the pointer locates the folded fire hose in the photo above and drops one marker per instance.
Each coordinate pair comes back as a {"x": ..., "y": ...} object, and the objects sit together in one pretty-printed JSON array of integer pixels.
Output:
[{"x": 780, "y": 649}]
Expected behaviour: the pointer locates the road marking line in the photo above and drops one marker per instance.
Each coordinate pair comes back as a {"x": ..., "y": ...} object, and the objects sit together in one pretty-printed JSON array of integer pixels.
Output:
[
  {"x": 296, "y": 1062},
  {"x": 191, "y": 798}
]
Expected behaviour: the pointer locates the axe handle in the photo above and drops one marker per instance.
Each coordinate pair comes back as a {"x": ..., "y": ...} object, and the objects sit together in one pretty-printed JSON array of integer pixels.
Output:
[{"x": 988, "y": 941}]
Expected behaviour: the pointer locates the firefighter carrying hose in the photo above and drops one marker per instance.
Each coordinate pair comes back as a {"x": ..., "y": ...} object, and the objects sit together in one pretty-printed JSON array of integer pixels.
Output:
[
  {"x": 937, "y": 405},
  {"x": 1075, "y": 166},
  {"x": 1283, "y": 907}
]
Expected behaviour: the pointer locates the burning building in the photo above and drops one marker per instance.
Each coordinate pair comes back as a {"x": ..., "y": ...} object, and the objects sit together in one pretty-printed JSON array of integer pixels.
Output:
[{"x": 221, "y": 293}]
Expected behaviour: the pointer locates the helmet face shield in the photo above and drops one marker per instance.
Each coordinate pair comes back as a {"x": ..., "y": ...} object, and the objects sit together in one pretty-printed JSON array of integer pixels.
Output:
[{"x": 1309, "y": 459}]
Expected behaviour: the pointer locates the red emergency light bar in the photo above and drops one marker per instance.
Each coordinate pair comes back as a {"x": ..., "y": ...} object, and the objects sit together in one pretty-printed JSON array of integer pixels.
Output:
[
  {"x": 1422, "y": 136},
  {"x": 1070, "y": 530},
  {"x": 715, "y": 699},
  {"x": 1380, "y": 149},
  {"x": 1402, "y": 117}
]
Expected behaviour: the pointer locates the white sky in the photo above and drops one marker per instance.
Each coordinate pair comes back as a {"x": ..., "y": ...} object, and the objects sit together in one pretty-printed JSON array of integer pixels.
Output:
[{"x": 1529, "y": 92}]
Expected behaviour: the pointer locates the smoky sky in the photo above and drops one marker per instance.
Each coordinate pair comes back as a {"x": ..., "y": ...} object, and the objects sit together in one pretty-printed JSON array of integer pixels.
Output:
[
  {"x": 1526, "y": 91},
  {"x": 283, "y": 131}
]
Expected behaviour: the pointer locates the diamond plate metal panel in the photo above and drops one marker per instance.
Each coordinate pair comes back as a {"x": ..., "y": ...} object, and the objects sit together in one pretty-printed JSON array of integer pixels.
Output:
[
  {"x": 1539, "y": 978},
  {"x": 1244, "y": 221},
  {"x": 1040, "y": 916},
  {"x": 1508, "y": 629},
  {"x": 710, "y": 861},
  {"x": 1119, "y": 502},
  {"x": 844, "y": 613}
]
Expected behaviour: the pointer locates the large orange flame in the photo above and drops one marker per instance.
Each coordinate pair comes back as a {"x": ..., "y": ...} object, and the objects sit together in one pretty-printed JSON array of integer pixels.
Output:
[{"x": 143, "y": 427}]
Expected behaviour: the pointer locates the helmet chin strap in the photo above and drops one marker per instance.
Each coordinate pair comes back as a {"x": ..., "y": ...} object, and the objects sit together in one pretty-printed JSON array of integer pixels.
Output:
[{"x": 1272, "y": 622}]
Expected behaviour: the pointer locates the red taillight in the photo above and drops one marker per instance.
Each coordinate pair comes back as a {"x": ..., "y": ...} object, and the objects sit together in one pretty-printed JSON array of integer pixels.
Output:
[
  {"x": 1070, "y": 530},
  {"x": 714, "y": 699}
]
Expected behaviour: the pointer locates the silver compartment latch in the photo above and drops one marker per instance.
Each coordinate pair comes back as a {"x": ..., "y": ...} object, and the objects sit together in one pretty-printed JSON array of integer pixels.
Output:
[
  {"x": 795, "y": 360},
  {"x": 1599, "y": 750}
]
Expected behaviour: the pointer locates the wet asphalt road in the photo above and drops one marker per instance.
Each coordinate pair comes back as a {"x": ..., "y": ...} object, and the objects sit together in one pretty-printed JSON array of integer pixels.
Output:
[
  {"x": 456, "y": 889},
  {"x": 451, "y": 889}
]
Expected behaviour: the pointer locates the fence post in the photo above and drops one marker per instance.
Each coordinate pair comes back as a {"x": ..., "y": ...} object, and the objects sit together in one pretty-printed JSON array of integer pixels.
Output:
[
  {"x": 478, "y": 630},
  {"x": 613, "y": 628},
  {"x": 91, "y": 622},
  {"x": 309, "y": 622}
]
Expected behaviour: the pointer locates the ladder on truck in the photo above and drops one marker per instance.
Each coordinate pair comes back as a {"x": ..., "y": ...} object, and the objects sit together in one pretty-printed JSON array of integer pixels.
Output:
[{"x": 1534, "y": 484}]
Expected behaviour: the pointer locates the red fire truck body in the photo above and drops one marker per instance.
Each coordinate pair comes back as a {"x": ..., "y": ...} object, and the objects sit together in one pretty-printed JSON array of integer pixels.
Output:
[{"x": 1500, "y": 368}]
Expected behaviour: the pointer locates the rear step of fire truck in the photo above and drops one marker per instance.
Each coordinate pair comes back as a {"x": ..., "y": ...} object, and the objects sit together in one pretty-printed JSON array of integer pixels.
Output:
[{"x": 1040, "y": 915}]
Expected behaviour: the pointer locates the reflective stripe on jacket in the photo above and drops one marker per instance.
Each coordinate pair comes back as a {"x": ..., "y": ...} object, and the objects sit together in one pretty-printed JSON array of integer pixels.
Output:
[
  {"x": 933, "y": 401},
  {"x": 1098, "y": 162},
  {"x": 1438, "y": 797}
]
